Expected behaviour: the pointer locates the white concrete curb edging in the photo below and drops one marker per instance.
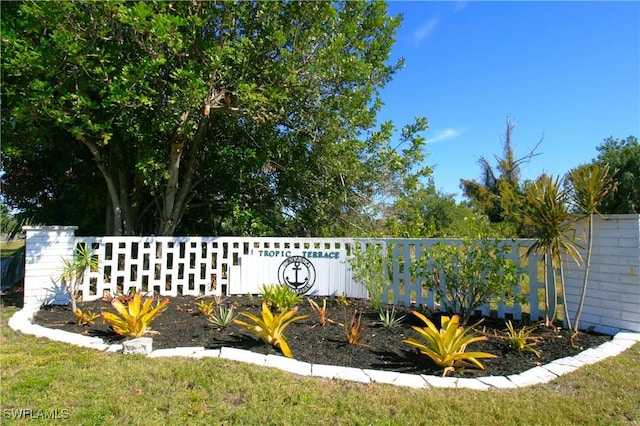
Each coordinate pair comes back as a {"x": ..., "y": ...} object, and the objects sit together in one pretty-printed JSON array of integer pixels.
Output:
[{"x": 22, "y": 321}]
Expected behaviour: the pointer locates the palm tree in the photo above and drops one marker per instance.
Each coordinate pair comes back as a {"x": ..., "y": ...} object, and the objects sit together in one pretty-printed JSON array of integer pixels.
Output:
[
  {"x": 590, "y": 185},
  {"x": 546, "y": 211}
]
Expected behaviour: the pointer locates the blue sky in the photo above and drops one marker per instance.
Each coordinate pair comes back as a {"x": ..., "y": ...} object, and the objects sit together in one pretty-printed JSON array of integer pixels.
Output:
[{"x": 566, "y": 72}]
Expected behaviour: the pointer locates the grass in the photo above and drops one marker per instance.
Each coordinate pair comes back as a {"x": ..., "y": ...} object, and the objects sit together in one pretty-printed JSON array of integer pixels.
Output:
[
  {"x": 9, "y": 248},
  {"x": 98, "y": 388}
]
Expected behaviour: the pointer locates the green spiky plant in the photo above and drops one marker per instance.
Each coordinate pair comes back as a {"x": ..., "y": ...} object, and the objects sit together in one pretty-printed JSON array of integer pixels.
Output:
[
  {"x": 590, "y": 186},
  {"x": 72, "y": 271},
  {"x": 546, "y": 212}
]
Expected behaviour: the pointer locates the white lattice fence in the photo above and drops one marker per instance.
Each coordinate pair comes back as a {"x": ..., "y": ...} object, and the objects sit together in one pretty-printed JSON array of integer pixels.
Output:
[{"x": 229, "y": 265}]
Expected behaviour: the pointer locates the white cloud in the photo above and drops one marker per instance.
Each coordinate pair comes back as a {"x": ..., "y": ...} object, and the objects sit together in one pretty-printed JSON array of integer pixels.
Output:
[
  {"x": 460, "y": 5},
  {"x": 440, "y": 135},
  {"x": 425, "y": 29}
]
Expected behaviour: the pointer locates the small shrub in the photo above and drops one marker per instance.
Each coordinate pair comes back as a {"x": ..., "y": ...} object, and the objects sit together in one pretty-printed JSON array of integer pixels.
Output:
[
  {"x": 85, "y": 318},
  {"x": 342, "y": 300},
  {"x": 135, "y": 316},
  {"x": 371, "y": 268},
  {"x": 353, "y": 326},
  {"x": 388, "y": 318},
  {"x": 206, "y": 308},
  {"x": 280, "y": 297},
  {"x": 223, "y": 317},
  {"x": 522, "y": 339},
  {"x": 467, "y": 276},
  {"x": 447, "y": 346},
  {"x": 270, "y": 328},
  {"x": 321, "y": 312}
]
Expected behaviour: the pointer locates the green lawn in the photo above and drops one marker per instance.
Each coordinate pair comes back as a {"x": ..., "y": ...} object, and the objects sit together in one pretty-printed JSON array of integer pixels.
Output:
[
  {"x": 9, "y": 248},
  {"x": 95, "y": 388}
]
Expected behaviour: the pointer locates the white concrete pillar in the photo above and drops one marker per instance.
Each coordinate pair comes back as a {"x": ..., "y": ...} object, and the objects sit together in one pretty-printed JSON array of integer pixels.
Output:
[{"x": 46, "y": 247}]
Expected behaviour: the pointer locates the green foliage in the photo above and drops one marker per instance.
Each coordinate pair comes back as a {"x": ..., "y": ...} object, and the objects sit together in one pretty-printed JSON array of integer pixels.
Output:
[
  {"x": 546, "y": 213},
  {"x": 590, "y": 187},
  {"x": 468, "y": 275},
  {"x": 279, "y": 296},
  {"x": 389, "y": 319},
  {"x": 499, "y": 192},
  {"x": 222, "y": 317},
  {"x": 622, "y": 155},
  {"x": 150, "y": 113},
  {"x": 72, "y": 271},
  {"x": 447, "y": 346},
  {"x": 133, "y": 319},
  {"x": 342, "y": 300},
  {"x": 270, "y": 328},
  {"x": 371, "y": 267},
  {"x": 522, "y": 339}
]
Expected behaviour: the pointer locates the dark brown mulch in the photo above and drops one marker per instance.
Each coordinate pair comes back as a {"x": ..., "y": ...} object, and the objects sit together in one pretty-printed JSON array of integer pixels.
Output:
[{"x": 381, "y": 348}]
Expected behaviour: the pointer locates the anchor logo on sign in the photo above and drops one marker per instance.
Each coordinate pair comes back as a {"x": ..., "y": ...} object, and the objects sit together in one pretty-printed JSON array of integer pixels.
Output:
[
  {"x": 295, "y": 283},
  {"x": 298, "y": 273}
]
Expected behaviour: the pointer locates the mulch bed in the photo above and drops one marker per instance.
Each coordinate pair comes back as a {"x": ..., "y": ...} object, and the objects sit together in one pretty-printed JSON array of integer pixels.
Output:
[{"x": 380, "y": 348}]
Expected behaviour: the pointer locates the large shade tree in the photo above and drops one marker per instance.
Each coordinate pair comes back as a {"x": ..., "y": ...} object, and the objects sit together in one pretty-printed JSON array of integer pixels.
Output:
[
  {"x": 623, "y": 157},
  {"x": 243, "y": 116}
]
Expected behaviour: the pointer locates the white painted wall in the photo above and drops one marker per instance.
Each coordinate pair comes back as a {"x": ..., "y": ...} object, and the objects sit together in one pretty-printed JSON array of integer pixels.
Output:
[
  {"x": 613, "y": 289},
  {"x": 45, "y": 249}
]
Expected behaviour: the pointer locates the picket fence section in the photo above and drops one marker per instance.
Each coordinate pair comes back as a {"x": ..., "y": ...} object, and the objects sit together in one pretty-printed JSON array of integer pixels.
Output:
[{"x": 215, "y": 266}]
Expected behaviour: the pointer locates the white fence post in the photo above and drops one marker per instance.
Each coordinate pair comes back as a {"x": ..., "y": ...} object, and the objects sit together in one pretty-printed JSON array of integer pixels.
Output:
[{"x": 46, "y": 246}]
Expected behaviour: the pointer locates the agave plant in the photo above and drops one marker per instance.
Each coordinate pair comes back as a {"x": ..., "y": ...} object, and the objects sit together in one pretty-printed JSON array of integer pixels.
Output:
[
  {"x": 223, "y": 317},
  {"x": 270, "y": 328},
  {"x": 447, "y": 346},
  {"x": 135, "y": 316}
]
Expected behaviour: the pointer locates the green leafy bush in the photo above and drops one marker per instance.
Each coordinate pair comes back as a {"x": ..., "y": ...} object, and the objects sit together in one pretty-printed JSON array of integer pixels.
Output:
[
  {"x": 371, "y": 268},
  {"x": 467, "y": 276},
  {"x": 279, "y": 297}
]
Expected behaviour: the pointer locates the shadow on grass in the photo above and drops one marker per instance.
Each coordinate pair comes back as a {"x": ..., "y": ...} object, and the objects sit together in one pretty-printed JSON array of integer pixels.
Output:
[{"x": 13, "y": 296}]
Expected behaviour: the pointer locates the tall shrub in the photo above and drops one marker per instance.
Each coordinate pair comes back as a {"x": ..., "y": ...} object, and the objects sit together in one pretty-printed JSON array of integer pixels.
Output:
[
  {"x": 467, "y": 276},
  {"x": 371, "y": 265}
]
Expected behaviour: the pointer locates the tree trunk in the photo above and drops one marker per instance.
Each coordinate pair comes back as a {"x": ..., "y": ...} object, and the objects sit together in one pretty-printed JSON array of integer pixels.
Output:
[{"x": 586, "y": 273}]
